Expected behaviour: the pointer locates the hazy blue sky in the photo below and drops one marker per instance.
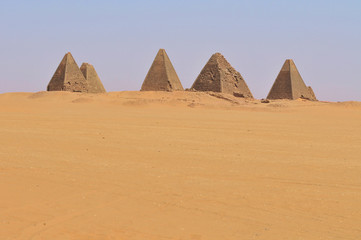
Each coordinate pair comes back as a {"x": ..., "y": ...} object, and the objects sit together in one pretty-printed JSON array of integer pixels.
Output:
[{"x": 121, "y": 39}]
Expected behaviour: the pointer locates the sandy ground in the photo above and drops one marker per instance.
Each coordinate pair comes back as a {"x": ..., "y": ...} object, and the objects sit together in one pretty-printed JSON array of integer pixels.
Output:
[{"x": 183, "y": 165}]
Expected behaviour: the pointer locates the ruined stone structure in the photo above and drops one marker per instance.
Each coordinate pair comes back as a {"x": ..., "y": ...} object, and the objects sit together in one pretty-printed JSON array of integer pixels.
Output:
[
  {"x": 313, "y": 96},
  {"x": 219, "y": 76},
  {"x": 91, "y": 76},
  {"x": 68, "y": 77},
  {"x": 290, "y": 85},
  {"x": 161, "y": 75}
]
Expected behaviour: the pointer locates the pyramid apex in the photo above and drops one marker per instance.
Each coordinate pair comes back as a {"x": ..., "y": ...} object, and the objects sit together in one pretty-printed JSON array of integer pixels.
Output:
[
  {"x": 217, "y": 56},
  {"x": 162, "y": 52},
  {"x": 86, "y": 64},
  {"x": 68, "y": 55}
]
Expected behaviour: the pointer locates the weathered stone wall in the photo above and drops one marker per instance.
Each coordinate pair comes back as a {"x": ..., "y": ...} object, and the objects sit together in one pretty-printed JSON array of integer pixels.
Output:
[
  {"x": 299, "y": 88},
  {"x": 313, "y": 96},
  {"x": 282, "y": 88},
  {"x": 209, "y": 78}
]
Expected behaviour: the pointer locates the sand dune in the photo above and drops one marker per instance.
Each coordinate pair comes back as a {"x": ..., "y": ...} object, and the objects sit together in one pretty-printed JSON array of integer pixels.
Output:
[{"x": 181, "y": 165}]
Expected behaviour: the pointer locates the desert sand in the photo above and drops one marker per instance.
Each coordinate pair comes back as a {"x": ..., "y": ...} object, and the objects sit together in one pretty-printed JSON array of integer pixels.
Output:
[{"x": 181, "y": 165}]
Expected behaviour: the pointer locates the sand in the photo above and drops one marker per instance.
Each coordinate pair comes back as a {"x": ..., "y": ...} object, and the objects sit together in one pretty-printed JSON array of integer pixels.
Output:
[{"x": 182, "y": 165}]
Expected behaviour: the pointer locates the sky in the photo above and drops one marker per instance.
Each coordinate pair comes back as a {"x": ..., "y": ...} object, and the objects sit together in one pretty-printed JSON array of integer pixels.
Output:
[{"x": 121, "y": 39}]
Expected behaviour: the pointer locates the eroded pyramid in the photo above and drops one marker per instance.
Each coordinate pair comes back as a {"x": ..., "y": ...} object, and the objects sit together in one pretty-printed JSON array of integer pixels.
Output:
[
  {"x": 290, "y": 85},
  {"x": 161, "y": 75},
  {"x": 313, "y": 96},
  {"x": 94, "y": 83},
  {"x": 219, "y": 76},
  {"x": 68, "y": 77}
]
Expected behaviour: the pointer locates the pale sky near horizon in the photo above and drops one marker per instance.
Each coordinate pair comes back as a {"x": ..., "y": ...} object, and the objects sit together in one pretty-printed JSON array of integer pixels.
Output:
[{"x": 121, "y": 39}]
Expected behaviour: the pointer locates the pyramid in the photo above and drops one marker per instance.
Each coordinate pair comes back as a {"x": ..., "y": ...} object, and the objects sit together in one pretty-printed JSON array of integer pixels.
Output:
[
  {"x": 219, "y": 76},
  {"x": 68, "y": 77},
  {"x": 290, "y": 85},
  {"x": 94, "y": 83},
  {"x": 161, "y": 75},
  {"x": 313, "y": 96}
]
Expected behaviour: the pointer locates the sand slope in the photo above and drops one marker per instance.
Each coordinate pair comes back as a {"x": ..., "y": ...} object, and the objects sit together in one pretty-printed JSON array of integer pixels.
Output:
[{"x": 182, "y": 165}]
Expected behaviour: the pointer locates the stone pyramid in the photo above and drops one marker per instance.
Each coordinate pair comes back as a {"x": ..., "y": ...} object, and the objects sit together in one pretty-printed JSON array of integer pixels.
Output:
[
  {"x": 161, "y": 75},
  {"x": 219, "y": 76},
  {"x": 68, "y": 77},
  {"x": 313, "y": 96},
  {"x": 94, "y": 83},
  {"x": 290, "y": 85}
]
